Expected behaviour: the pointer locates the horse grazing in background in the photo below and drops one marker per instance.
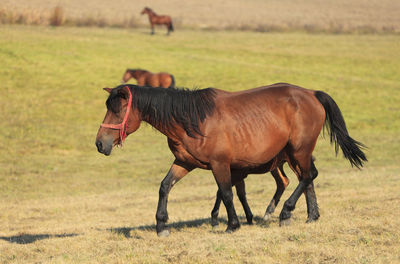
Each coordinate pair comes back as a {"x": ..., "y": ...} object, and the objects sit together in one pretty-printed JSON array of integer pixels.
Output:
[
  {"x": 146, "y": 78},
  {"x": 230, "y": 133},
  {"x": 158, "y": 20}
]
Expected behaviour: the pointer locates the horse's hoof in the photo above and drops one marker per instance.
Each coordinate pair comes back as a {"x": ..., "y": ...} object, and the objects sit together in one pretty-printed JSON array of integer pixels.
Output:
[
  {"x": 310, "y": 220},
  {"x": 267, "y": 217},
  {"x": 164, "y": 233},
  {"x": 214, "y": 223},
  {"x": 249, "y": 219},
  {"x": 232, "y": 229},
  {"x": 214, "y": 227},
  {"x": 284, "y": 222}
]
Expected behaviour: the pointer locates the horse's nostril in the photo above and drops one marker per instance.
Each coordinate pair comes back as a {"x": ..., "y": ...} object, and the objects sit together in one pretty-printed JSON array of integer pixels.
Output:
[{"x": 99, "y": 146}]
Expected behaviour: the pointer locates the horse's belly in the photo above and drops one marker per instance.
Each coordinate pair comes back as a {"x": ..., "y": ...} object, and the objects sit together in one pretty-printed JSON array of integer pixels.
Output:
[{"x": 254, "y": 157}]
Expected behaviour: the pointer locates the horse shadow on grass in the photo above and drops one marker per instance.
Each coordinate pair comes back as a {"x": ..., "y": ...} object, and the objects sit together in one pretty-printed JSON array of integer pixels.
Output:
[
  {"x": 126, "y": 231},
  {"x": 31, "y": 238}
]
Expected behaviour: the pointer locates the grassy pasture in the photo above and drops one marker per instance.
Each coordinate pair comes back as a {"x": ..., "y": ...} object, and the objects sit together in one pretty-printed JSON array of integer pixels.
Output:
[{"x": 61, "y": 201}]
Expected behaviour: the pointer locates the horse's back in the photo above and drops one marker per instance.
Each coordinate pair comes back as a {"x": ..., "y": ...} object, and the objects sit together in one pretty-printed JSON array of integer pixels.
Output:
[
  {"x": 162, "y": 19},
  {"x": 276, "y": 90},
  {"x": 273, "y": 97}
]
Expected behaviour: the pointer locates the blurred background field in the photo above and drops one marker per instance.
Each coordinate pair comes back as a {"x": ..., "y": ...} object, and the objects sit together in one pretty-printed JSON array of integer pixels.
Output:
[
  {"x": 61, "y": 201},
  {"x": 339, "y": 16}
]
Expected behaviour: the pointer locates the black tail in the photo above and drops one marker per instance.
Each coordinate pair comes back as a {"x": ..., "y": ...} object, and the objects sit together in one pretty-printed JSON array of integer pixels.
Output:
[
  {"x": 337, "y": 130},
  {"x": 171, "y": 27},
  {"x": 172, "y": 85}
]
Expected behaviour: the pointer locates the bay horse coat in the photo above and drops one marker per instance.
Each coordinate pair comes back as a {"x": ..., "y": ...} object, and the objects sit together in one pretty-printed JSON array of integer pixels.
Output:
[{"x": 250, "y": 131}]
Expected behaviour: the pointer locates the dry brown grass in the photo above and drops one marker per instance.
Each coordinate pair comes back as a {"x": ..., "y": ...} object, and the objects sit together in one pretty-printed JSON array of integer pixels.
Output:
[
  {"x": 357, "y": 16},
  {"x": 57, "y": 17},
  {"x": 118, "y": 227},
  {"x": 24, "y": 16}
]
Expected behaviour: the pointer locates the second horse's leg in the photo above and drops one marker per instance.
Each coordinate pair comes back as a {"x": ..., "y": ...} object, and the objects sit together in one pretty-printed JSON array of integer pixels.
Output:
[
  {"x": 282, "y": 182},
  {"x": 241, "y": 193}
]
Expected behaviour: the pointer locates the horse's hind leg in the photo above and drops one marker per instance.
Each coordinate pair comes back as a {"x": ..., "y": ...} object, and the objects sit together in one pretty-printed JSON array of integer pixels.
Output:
[
  {"x": 215, "y": 210},
  {"x": 311, "y": 198},
  {"x": 282, "y": 182},
  {"x": 241, "y": 193},
  {"x": 301, "y": 162}
]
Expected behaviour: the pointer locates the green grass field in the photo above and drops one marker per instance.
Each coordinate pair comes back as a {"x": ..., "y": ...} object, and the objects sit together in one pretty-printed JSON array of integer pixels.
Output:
[{"x": 62, "y": 201}]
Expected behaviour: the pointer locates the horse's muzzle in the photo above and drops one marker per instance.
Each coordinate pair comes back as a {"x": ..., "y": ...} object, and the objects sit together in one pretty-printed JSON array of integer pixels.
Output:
[{"x": 103, "y": 148}]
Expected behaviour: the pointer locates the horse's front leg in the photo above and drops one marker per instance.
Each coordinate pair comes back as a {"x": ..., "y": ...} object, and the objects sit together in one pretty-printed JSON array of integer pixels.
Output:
[
  {"x": 177, "y": 171},
  {"x": 152, "y": 29},
  {"x": 222, "y": 175}
]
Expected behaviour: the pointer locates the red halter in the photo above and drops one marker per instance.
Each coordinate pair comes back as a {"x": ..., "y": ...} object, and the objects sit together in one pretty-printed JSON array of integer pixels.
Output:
[{"x": 122, "y": 126}]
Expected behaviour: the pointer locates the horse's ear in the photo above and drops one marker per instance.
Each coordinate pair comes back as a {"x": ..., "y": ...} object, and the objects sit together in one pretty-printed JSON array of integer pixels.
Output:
[
  {"x": 107, "y": 90},
  {"x": 124, "y": 92}
]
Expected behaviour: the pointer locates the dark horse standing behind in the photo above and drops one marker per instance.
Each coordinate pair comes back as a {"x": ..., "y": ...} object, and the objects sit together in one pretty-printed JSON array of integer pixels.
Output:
[
  {"x": 146, "y": 78},
  {"x": 158, "y": 20},
  {"x": 231, "y": 133}
]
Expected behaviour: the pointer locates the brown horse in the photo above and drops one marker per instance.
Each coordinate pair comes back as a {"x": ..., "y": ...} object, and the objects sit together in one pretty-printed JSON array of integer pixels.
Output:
[
  {"x": 158, "y": 20},
  {"x": 143, "y": 77},
  {"x": 230, "y": 133}
]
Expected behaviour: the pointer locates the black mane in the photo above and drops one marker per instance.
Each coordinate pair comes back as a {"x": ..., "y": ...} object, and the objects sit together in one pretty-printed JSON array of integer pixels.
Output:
[
  {"x": 164, "y": 107},
  {"x": 135, "y": 70}
]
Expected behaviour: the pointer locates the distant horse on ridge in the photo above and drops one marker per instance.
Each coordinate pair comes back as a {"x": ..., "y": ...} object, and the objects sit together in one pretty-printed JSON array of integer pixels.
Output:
[{"x": 158, "y": 20}]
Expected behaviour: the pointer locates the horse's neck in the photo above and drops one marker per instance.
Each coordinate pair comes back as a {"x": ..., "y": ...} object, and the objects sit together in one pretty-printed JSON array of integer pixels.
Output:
[
  {"x": 175, "y": 134},
  {"x": 163, "y": 130},
  {"x": 136, "y": 74},
  {"x": 152, "y": 14}
]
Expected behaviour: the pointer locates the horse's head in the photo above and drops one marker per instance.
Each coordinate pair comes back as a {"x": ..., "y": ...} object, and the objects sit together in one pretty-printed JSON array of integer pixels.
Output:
[
  {"x": 145, "y": 10},
  {"x": 127, "y": 75},
  {"x": 121, "y": 119}
]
